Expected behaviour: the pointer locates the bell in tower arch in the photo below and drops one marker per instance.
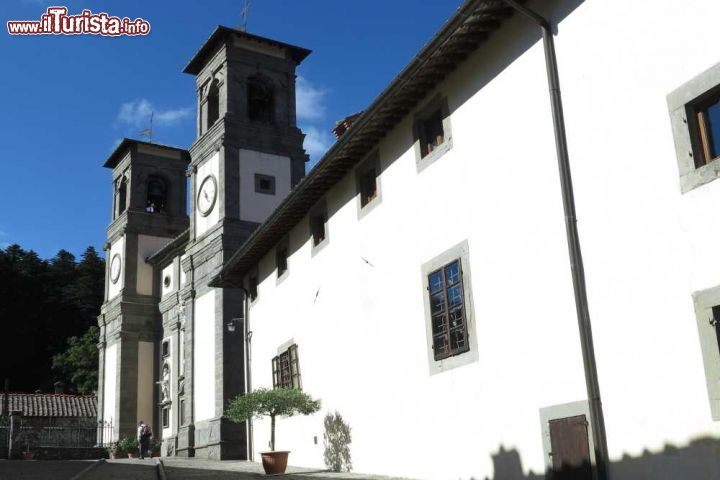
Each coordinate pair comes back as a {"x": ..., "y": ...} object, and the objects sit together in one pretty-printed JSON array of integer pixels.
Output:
[
  {"x": 156, "y": 195},
  {"x": 260, "y": 100}
]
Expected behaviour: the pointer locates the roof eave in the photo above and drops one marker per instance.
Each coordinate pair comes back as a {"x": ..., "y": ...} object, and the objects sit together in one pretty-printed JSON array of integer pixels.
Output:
[{"x": 460, "y": 35}]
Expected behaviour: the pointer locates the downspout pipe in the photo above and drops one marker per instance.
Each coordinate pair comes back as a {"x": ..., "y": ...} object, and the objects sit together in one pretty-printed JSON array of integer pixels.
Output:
[{"x": 576, "y": 263}]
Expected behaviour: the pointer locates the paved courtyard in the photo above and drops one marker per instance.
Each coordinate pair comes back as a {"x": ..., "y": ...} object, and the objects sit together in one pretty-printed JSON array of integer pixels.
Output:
[{"x": 152, "y": 469}]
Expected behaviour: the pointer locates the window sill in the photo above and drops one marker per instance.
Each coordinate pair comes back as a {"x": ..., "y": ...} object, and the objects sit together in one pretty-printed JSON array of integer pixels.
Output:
[
  {"x": 315, "y": 249},
  {"x": 700, "y": 176},
  {"x": 423, "y": 162},
  {"x": 281, "y": 278}
]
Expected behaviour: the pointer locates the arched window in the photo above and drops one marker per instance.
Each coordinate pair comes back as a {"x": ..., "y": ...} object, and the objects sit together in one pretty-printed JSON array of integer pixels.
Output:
[
  {"x": 261, "y": 105},
  {"x": 156, "y": 195},
  {"x": 213, "y": 104},
  {"x": 121, "y": 196}
]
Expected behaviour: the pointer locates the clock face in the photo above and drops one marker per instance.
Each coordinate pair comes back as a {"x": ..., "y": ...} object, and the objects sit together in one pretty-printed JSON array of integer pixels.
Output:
[
  {"x": 207, "y": 195},
  {"x": 115, "y": 268}
]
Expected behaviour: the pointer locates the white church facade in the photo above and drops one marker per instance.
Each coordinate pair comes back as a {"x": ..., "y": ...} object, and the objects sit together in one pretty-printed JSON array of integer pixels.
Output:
[{"x": 417, "y": 279}]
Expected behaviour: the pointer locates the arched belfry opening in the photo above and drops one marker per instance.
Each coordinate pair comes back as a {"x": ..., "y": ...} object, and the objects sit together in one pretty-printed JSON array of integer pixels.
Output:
[
  {"x": 156, "y": 199},
  {"x": 260, "y": 100},
  {"x": 121, "y": 196},
  {"x": 213, "y": 104}
]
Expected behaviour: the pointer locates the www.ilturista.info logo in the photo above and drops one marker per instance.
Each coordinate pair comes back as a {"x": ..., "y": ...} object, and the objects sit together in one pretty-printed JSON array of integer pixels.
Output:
[{"x": 56, "y": 21}]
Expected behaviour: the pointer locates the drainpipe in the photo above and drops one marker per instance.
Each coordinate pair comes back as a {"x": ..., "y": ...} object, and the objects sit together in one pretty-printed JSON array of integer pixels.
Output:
[{"x": 573, "y": 240}]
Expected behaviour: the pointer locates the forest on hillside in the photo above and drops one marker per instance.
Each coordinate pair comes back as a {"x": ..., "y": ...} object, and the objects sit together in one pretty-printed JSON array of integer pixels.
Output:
[{"x": 48, "y": 319}]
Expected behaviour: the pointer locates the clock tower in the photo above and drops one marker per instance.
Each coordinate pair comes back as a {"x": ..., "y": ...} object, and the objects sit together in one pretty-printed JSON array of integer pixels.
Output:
[
  {"x": 148, "y": 211},
  {"x": 247, "y": 157}
]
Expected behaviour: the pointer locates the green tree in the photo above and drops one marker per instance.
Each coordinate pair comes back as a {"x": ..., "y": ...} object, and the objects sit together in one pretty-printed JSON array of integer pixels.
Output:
[
  {"x": 280, "y": 402},
  {"x": 42, "y": 304},
  {"x": 78, "y": 364}
]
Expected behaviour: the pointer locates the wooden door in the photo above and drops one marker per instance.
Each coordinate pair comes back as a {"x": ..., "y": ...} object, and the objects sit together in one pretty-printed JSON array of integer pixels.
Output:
[{"x": 570, "y": 448}]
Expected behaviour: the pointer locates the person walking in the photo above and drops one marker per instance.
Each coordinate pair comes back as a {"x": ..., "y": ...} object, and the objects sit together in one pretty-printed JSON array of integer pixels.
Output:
[{"x": 144, "y": 433}]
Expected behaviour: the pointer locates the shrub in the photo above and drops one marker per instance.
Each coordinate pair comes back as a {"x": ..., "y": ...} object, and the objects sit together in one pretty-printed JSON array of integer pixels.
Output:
[{"x": 128, "y": 445}]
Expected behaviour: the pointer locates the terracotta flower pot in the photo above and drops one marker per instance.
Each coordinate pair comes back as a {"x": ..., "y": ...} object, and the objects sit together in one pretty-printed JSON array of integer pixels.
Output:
[
  {"x": 28, "y": 455},
  {"x": 132, "y": 455},
  {"x": 116, "y": 455},
  {"x": 274, "y": 462}
]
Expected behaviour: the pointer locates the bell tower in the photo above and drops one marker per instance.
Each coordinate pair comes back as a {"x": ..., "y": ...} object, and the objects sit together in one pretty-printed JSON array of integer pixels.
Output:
[
  {"x": 148, "y": 211},
  {"x": 247, "y": 157}
]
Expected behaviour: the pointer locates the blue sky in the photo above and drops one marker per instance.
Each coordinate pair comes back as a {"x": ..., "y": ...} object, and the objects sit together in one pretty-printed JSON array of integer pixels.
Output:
[{"x": 68, "y": 100}]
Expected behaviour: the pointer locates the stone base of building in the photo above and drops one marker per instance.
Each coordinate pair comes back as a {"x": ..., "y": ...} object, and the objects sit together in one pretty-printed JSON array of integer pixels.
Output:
[
  {"x": 220, "y": 439},
  {"x": 185, "y": 442}
]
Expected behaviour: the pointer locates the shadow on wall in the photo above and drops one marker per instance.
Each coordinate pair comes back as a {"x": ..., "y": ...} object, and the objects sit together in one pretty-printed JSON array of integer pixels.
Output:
[{"x": 699, "y": 460}]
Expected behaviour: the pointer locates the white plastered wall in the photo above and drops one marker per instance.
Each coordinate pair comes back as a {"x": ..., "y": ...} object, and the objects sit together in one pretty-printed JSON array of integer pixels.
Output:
[
  {"x": 204, "y": 356},
  {"x": 116, "y": 248},
  {"x": 355, "y": 309},
  {"x": 254, "y": 206},
  {"x": 145, "y": 386},
  {"x": 210, "y": 167},
  {"x": 110, "y": 388}
]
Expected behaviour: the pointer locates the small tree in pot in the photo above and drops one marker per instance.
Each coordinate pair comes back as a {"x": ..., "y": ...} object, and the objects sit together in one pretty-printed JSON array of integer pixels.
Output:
[{"x": 279, "y": 402}]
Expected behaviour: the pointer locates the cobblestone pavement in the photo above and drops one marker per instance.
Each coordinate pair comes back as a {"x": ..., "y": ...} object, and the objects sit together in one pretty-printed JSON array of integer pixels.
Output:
[
  {"x": 41, "y": 470},
  {"x": 190, "y": 469}
]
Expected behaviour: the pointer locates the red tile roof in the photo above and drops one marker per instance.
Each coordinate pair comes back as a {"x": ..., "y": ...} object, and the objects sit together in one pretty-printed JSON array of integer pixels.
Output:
[{"x": 50, "y": 405}]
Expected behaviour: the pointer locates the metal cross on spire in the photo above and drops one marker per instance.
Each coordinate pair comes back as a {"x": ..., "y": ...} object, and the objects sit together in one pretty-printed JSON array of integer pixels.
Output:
[
  {"x": 244, "y": 17},
  {"x": 148, "y": 132}
]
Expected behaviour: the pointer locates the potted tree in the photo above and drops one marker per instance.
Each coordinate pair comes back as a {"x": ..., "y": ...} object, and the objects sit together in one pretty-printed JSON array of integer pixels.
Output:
[{"x": 279, "y": 402}]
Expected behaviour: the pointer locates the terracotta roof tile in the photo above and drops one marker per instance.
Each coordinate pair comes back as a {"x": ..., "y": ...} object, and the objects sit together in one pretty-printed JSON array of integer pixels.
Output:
[{"x": 50, "y": 405}]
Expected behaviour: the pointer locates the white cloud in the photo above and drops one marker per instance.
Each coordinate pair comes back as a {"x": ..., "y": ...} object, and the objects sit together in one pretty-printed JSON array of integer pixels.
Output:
[
  {"x": 137, "y": 114},
  {"x": 317, "y": 142},
  {"x": 309, "y": 100}
]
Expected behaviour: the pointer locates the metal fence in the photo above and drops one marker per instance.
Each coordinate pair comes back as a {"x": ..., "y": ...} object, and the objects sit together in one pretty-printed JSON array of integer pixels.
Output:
[
  {"x": 4, "y": 432},
  {"x": 29, "y": 433}
]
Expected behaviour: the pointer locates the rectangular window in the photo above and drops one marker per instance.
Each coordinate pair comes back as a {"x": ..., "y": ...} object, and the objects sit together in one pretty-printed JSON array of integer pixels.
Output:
[
  {"x": 694, "y": 109},
  {"x": 368, "y": 186},
  {"x": 707, "y": 314},
  {"x": 166, "y": 417},
  {"x": 432, "y": 134},
  {"x": 317, "y": 227},
  {"x": 447, "y": 310},
  {"x": 165, "y": 348},
  {"x": 281, "y": 258},
  {"x": 707, "y": 118},
  {"x": 286, "y": 369},
  {"x": 265, "y": 184},
  {"x": 182, "y": 411},
  {"x": 253, "y": 285}
]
